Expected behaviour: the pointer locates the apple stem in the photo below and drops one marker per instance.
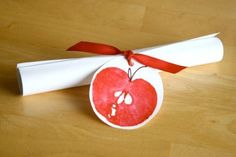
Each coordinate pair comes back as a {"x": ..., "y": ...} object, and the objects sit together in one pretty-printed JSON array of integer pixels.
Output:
[{"x": 130, "y": 72}]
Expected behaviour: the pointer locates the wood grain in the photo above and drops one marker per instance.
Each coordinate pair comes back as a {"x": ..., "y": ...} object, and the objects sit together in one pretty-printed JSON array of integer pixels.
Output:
[{"x": 198, "y": 117}]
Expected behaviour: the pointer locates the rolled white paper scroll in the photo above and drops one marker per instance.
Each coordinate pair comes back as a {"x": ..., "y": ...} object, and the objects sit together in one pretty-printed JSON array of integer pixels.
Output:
[{"x": 45, "y": 76}]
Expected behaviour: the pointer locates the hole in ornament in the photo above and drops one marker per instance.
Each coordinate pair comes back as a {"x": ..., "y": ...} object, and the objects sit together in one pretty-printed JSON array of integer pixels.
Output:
[
  {"x": 121, "y": 98},
  {"x": 118, "y": 93},
  {"x": 128, "y": 99},
  {"x": 113, "y": 112}
]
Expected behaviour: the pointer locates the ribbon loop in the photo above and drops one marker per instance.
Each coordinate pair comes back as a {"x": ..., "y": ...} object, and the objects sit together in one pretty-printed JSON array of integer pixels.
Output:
[
  {"x": 128, "y": 54},
  {"x": 104, "y": 49}
]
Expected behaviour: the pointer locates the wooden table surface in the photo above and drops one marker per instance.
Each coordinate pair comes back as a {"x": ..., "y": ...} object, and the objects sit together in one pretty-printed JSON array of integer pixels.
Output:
[{"x": 198, "y": 116}]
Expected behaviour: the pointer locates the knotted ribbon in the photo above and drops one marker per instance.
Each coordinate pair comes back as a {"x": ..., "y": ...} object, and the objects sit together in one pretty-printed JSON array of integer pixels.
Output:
[{"x": 149, "y": 61}]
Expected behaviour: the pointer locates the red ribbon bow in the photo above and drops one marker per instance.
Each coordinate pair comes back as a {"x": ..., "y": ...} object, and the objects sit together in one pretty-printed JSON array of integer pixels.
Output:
[{"x": 103, "y": 49}]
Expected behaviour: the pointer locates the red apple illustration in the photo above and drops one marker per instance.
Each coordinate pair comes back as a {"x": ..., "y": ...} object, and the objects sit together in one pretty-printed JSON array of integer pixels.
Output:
[{"x": 121, "y": 100}]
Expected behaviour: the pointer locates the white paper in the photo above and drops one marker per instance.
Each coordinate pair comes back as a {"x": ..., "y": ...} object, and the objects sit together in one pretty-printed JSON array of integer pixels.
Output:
[
  {"x": 202, "y": 50},
  {"x": 44, "y": 76}
]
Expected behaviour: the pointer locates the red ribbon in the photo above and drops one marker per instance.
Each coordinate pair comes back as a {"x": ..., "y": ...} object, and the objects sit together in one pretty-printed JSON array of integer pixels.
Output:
[{"x": 103, "y": 49}]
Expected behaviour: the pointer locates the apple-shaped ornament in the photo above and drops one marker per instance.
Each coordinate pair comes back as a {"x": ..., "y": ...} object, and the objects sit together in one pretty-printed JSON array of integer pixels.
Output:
[
  {"x": 127, "y": 91},
  {"x": 125, "y": 96}
]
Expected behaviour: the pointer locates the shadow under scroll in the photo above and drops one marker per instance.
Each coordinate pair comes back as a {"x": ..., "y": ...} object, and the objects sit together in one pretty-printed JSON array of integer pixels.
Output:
[{"x": 8, "y": 83}]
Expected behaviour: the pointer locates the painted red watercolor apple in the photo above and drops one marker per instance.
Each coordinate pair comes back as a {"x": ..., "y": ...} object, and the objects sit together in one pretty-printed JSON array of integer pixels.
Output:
[{"x": 121, "y": 99}]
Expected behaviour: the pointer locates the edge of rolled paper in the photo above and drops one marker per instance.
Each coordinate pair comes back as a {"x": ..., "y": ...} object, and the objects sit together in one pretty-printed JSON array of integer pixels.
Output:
[
  {"x": 19, "y": 80},
  {"x": 222, "y": 49},
  {"x": 214, "y": 35},
  {"x": 19, "y": 66},
  {"x": 34, "y": 63},
  {"x": 204, "y": 37}
]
